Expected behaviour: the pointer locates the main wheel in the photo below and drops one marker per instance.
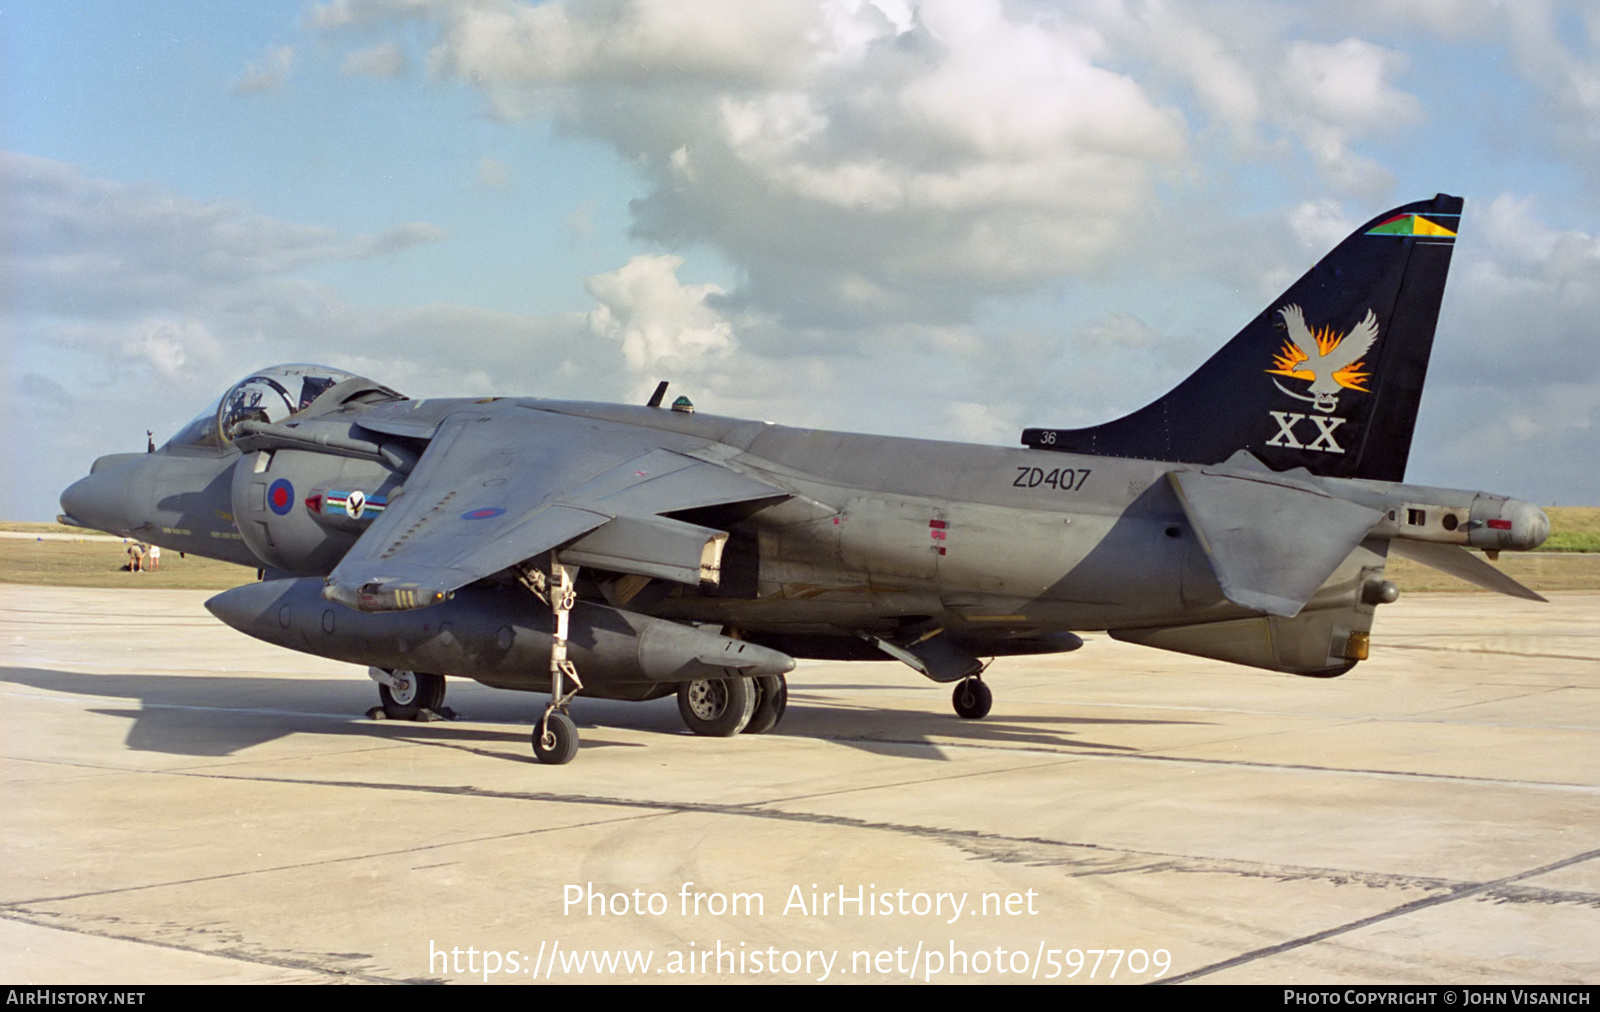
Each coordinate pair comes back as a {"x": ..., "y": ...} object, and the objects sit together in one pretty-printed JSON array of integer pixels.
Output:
[
  {"x": 413, "y": 692},
  {"x": 772, "y": 698},
  {"x": 555, "y": 739},
  {"x": 716, "y": 707},
  {"x": 972, "y": 699}
]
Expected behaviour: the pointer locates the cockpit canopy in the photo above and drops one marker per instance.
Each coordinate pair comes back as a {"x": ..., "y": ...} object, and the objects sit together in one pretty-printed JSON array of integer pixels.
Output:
[{"x": 270, "y": 395}]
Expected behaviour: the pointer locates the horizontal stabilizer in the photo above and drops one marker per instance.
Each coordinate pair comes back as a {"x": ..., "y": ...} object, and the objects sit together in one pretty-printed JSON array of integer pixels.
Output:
[
  {"x": 1461, "y": 564},
  {"x": 1271, "y": 541}
]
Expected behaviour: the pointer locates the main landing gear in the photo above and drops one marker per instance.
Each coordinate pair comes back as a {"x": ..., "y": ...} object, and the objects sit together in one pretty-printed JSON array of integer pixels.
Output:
[
  {"x": 409, "y": 695},
  {"x": 772, "y": 698},
  {"x": 724, "y": 707}
]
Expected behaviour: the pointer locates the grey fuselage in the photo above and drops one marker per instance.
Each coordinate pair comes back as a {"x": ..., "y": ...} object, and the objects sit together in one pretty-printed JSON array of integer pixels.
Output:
[{"x": 997, "y": 548}]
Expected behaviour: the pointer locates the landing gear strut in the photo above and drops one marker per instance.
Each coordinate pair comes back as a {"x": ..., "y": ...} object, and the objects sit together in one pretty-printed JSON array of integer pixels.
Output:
[
  {"x": 972, "y": 699},
  {"x": 555, "y": 737}
]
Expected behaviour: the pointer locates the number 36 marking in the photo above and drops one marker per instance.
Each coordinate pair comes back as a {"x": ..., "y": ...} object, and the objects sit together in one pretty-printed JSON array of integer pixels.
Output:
[{"x": 1063, "y": 479}]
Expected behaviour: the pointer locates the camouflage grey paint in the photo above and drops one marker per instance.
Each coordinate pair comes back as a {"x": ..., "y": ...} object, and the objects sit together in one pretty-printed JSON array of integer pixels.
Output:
[
  {"x": 891, "y": 537},
  {"x": 1257, "y": 537}
]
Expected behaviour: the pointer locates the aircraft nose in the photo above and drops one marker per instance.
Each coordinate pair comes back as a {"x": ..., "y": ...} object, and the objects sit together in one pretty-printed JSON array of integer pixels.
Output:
[{"x": 101, "y": 500}]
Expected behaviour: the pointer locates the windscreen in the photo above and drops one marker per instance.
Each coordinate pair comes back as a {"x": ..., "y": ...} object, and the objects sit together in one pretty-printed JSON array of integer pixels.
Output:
[{"x": 271, "y": 395}]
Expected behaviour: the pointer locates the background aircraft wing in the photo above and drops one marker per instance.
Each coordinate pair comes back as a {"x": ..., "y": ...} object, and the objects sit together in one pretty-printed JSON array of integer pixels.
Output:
[{"x": 507, "y": 483}]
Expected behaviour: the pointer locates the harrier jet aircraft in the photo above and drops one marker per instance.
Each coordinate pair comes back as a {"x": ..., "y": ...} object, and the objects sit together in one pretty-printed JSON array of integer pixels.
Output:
[{"x": 632, "y": 552}]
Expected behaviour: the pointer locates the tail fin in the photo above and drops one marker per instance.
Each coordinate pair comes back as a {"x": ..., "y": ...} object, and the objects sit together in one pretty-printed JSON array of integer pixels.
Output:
[{"x": 1328, "y": 377}]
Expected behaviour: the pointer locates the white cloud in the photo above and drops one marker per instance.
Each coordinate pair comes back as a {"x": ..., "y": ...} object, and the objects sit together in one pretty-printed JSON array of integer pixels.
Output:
[
  {"x": 660, "y": 322},
  {"x": 1258, "y": 75},
  {"x": 138, "y": 305},
  {"x": 1320, "y": 224},
  {"x": 81, "y": 246},
  {"x": 166, "y": 345},
  {"x": 1563, "y": 64},
  {"x": 266, "y": 74},
  {"x": 384, "y": 61},
  {"x": 493, "y": 174},
  {"x": 1346, "y": 84},
  {"x": 857, "y": 161},
  {"x": 1528, "y": 296}
]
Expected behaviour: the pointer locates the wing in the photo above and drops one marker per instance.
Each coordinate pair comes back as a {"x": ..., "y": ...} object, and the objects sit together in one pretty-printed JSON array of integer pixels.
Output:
[{"x": 503, "y": 483}]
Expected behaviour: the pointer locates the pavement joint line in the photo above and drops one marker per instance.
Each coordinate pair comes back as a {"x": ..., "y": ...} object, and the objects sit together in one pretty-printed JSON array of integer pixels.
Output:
[
  {"x": 23, "y": 905},
  {"x": 1378, "y": 717},
  {"x": 1066, "y": 752},
  {"x": 236, "y": 760},
  {"x": 954, "y": 836},
  {"x": 861, "y": 788},
  {"x": 260, "y": 711},
  {"x": 282, "y": 962},
  {"x": 1460, "y": 892},
  {"x": 1259, "y": 735},
  {"x": 1256, "y": 764},
  {"x": 1527, "y": 693},
  {"x": 1487, "y": 650}
]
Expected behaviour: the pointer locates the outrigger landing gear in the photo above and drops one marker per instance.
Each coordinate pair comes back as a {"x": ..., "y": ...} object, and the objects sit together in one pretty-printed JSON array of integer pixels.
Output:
[
  {"x": 555, "y": 738},
  {"x": 972, "y": 698}
]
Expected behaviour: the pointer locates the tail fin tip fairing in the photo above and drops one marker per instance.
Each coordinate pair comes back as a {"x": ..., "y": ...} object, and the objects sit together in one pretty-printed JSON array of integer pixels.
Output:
[{"x": 1328, "y": 377}]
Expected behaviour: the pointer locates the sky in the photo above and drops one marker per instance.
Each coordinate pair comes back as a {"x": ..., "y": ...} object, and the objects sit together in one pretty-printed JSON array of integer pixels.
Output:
[{"x": 951, "y": 219}]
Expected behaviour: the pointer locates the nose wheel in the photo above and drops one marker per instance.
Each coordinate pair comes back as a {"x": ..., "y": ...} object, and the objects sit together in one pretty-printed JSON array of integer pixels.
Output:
[{"x": 972, "y": 699}]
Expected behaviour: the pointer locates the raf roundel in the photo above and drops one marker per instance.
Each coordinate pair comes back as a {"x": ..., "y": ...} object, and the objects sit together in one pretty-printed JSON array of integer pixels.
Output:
[
  {"x": 281, "y": 497},
  {"x": 482, "y": 514}
]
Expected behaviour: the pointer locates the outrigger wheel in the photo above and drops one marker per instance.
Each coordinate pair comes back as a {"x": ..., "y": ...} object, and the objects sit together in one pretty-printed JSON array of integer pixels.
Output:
[{"x": 972, "y": 698}]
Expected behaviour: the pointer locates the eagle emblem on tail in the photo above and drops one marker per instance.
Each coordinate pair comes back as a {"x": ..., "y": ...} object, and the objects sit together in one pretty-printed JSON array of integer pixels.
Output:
[{"x": 1330, "y": 361}]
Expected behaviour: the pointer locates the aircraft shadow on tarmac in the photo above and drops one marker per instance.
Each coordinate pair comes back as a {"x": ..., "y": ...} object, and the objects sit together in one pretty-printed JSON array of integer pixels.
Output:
[{"x": 214, "y": 717}]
